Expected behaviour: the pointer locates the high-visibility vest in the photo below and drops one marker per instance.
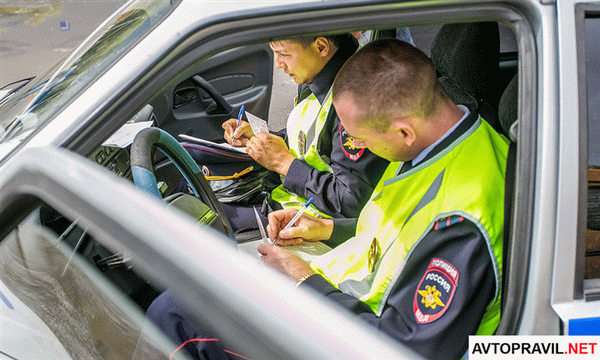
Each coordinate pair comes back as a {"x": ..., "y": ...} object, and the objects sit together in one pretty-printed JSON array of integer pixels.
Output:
[
  {"x": 305, "y": 124},
  {"x": 465, "y": 179}
]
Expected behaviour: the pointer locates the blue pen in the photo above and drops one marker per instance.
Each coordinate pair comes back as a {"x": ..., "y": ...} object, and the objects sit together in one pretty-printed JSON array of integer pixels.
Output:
[
  {"x": 296, "y": 217},
  {"x": 240, "y": 116}
]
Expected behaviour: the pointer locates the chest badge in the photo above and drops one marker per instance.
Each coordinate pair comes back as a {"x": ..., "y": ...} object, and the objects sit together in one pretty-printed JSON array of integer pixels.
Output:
[
  {"x": 301, "y": 143},
  {"x": 353, "y": 153},
  {"x": 373, "y": 255}
]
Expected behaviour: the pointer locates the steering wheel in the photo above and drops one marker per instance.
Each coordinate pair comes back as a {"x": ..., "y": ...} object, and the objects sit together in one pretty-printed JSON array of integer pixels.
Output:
[{"x": 143, "y": 171}]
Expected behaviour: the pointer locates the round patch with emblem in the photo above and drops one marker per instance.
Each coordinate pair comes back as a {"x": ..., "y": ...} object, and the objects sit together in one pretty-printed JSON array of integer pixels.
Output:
[
  {"x": 435, "y": 291},
  {"x": 350, "y": 150}
]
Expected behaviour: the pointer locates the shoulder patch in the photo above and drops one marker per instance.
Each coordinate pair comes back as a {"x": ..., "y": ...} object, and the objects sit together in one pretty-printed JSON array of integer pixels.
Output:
[
  {"x": 447, "y": 221},
  {"x": 351, "y": 152},
  {"x": 435, "y": 291}
]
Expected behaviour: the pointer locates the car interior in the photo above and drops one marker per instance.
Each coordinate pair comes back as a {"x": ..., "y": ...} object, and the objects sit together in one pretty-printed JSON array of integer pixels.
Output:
[{"x": 477, "y": 64}]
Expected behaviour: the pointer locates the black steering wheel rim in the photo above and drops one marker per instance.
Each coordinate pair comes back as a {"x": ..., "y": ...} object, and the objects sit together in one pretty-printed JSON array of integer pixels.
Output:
[{"x": 143, "y": 170}]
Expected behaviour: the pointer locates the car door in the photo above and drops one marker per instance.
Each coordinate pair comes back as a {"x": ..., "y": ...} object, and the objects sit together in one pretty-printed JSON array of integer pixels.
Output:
[
  {"x": 89, "y": 314},
  {"x": 215, "y": 92},
  {"x": 576, "y": 273}
]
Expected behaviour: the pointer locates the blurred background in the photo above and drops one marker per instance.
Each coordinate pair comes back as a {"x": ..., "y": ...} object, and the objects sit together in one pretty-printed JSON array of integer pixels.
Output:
[{"x": 35, "y": 34}]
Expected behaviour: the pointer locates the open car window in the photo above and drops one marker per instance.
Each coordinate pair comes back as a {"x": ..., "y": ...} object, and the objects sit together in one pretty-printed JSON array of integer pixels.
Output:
[
  {"x": 592, "y": 58},
  {"x": 34, "y": 104}
]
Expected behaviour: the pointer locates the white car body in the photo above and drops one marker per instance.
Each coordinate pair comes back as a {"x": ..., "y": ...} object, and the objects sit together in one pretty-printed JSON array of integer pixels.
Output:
[{"x": 546, "y": 291}]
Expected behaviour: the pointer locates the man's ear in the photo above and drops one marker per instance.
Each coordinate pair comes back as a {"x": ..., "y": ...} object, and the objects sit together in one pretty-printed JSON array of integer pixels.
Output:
[
  {"x": 323, "y": 46},
  {"x": 404, "y": 130}
]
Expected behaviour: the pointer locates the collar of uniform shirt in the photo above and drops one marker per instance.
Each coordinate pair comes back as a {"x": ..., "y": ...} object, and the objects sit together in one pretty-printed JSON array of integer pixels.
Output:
[
  {"x": 322, "y": 82},
  {"x": 427, "y": 150}
]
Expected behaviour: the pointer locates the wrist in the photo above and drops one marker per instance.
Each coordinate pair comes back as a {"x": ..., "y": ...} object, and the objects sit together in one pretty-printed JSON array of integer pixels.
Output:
[
  {"x": 304, "y": 277},
  {"x": 285, "y": 164},
  {"x": 326, "y": 230}
]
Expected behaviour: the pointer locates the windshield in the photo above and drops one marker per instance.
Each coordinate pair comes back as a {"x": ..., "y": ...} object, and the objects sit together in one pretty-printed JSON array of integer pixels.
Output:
[{"x": 32, "y": 105}]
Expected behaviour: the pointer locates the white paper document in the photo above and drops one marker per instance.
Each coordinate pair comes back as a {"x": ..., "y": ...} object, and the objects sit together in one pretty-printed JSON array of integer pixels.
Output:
[
  {"x": 305, "y": 251},
  {"x": 224, "y": 145},
  {"x": 125, "y": 135},
  {"x": 308, "y": 250},
  {"x": 257, "y": 124}
]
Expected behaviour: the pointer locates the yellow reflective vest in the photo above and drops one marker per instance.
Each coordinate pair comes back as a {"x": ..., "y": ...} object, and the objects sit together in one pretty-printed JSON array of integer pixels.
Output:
[
  {"x": 466, "y": 179},
  {"x": 304, "y": 126}
]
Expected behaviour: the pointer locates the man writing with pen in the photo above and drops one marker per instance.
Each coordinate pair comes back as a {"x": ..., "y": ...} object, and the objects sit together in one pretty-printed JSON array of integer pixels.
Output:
[
  {"x": 313, "y": 154},
  {"x": 422, "y": 262}
]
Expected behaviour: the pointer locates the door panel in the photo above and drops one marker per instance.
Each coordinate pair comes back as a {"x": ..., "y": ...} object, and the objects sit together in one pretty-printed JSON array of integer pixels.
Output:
[
  {"x": 243, "y": 76},
  {"x": 222, "y": 288}
]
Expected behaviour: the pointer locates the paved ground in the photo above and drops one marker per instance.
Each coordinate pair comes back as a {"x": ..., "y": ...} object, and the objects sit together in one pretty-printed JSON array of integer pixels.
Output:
[
  {"x": 34, "y": 34},
  {"x": 282, "y": 99}
]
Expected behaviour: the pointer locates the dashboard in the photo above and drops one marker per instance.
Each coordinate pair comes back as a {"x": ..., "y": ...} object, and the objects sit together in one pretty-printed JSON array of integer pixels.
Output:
[{"x": 115, "y": 159}]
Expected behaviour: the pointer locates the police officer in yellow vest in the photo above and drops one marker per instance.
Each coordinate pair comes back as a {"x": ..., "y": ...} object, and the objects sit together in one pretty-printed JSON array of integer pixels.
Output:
[
  {"x": 424, "y": 264},
  {"x": 318, "y": 159}
]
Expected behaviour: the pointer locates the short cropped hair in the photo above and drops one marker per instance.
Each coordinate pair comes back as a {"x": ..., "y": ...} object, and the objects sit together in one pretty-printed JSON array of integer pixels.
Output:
[
  {"x": 389, "y": 78},
  {"x": 305, "y": 41}
]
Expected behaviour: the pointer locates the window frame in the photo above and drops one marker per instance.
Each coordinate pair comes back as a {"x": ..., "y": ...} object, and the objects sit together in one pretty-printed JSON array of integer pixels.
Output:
[
  {"x": 585, "y": 288},
  {"x": 200, "y": 275},
  {"x": 573, "y": 298},
  {"x": 208, "y": 39},
  {"x": 216, "y": 35}
]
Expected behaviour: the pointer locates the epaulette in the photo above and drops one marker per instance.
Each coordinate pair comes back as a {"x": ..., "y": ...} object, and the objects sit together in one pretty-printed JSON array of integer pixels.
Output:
[{"x": 447, "y": 221}]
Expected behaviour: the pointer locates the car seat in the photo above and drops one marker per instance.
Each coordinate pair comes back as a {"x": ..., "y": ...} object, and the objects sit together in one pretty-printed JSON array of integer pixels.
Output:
[
  {"x": 508, "y": 120},
  {"x": 467, "y": 59}
]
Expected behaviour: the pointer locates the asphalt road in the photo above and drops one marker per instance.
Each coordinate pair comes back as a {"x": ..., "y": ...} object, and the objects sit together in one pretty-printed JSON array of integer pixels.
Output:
[
  {"x": 282, "y": 99},
  {"x": 35, "y": 34}
]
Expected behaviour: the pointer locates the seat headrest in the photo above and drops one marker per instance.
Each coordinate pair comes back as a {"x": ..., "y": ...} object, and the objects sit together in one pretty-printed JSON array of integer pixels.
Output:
[
  {"x": 508, "y": 106},
  {"x": 469, "y": 55}
]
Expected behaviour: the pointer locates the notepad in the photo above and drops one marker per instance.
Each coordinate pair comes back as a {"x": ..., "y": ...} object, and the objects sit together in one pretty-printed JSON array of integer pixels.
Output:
[
  {"x": 306, "y": 251},
  {"x": 225, "y": 146}
]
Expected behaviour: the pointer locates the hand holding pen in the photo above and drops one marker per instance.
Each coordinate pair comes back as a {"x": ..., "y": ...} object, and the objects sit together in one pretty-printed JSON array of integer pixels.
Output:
[
  {"x": 295, "y": 218},
  {"x": 289, "y": 227},
  {"x": 237, "y": 132}
]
